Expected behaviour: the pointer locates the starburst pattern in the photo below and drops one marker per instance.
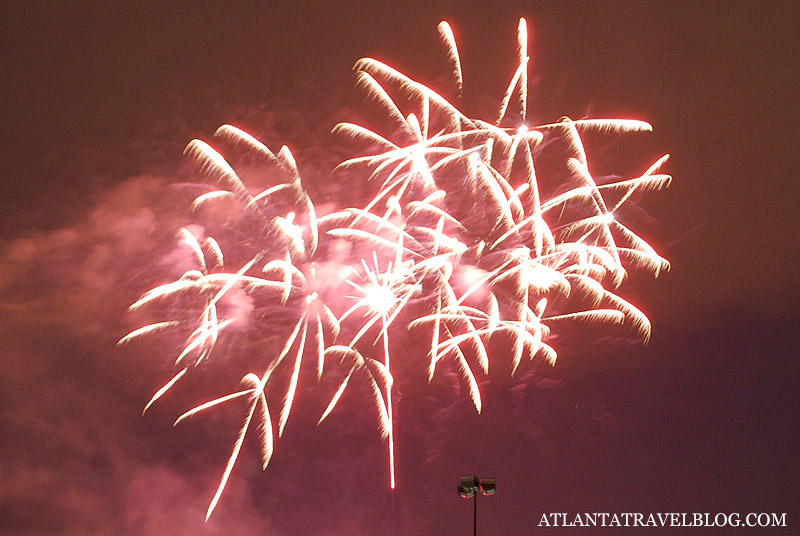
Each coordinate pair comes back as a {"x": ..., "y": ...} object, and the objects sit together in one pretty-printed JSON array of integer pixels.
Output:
[{"x": 458, "y": 224}]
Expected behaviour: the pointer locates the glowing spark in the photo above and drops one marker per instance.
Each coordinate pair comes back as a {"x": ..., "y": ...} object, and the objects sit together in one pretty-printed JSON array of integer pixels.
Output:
[{"x": 449, "y": 39}]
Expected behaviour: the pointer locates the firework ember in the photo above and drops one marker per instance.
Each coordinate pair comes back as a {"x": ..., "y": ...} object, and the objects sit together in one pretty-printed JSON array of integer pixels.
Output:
[{"x": 461, "y": 242}]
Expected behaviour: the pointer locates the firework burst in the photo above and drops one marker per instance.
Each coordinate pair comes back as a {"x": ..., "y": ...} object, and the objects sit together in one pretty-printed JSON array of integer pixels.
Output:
[{"x": 458, "y": 225}]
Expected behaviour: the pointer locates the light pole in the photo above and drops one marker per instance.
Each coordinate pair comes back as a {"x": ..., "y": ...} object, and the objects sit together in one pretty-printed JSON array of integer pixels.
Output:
[{"x": 469, "y": 487}]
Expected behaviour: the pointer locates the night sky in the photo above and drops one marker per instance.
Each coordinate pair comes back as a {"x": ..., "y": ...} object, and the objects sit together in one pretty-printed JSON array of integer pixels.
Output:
[{"x": 98, "y": 103}]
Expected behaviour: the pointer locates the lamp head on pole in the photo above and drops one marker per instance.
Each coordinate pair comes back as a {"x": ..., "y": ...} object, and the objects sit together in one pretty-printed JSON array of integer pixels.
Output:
[
  {"x": 470, "y": 485},
  {"x": 488, "y": 486}
]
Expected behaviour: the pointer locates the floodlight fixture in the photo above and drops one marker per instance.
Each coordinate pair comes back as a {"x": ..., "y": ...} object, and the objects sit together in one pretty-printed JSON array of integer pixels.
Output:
[
  {"x": 488, "y": 486},
  {"x": 469, "y": 487}
]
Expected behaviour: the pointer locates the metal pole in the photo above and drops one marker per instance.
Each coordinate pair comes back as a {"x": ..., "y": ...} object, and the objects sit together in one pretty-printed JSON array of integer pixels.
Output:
[{"x": 475, "y": 515}]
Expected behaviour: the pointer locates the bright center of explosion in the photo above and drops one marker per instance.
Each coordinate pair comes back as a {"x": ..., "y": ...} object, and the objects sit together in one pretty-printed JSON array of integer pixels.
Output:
[
  {"x": 379, "y": 299},
  {"x": 460, "y": 223}
]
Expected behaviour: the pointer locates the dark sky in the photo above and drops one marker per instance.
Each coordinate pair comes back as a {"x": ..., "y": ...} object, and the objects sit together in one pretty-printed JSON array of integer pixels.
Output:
[{"x": 98, "y": 102}]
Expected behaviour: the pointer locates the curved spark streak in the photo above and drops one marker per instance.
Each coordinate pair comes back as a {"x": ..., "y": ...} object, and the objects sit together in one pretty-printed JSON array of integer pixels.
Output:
[
  {"x": 460, "y": 239},
  {"x": 446, "y": 33}
]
